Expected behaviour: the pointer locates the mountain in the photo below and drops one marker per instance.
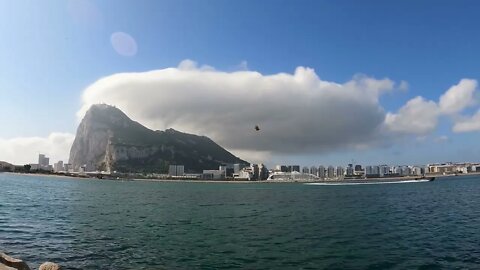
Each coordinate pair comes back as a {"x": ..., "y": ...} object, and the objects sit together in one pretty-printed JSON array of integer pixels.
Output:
[
  {"x": 107, "y": 139},
  {"x": 5, "y": 166}
]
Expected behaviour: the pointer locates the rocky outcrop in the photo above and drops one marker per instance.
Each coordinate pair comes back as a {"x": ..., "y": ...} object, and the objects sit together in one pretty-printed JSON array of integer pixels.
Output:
[
  {"x": 49, "y": 266},
  {"x": 108, "y": 140},
  {"x": 9, "y": 263}
]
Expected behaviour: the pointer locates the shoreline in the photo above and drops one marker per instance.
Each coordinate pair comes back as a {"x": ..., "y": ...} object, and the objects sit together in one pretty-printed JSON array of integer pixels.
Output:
[{"x": 361, "y": 180}]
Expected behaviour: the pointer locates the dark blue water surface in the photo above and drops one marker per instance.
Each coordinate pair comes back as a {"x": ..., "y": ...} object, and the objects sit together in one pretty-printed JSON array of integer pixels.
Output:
[{"x": 101, "y": 224}]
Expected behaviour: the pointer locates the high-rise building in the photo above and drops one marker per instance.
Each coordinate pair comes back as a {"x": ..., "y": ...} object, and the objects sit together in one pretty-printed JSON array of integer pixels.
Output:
[
  {"x": 314, "y": 170},
  {"x": 340, "y": 171},
  {"x": 349, "y": 171},
  {"x": 43, "y": 161},
  {"x": 407, "y": 171},
  {"x": 255, "y": 171},
  {"x": 305, "y": 169},
  {"x": 417, "y": 171},
  {"x": 369, "y": 170},
  {"x": 321, "y": 171},
  {"x": 331, "y": 172},
  {"x": 262, "y": 172},
  {"x": 384, "y": 170}
]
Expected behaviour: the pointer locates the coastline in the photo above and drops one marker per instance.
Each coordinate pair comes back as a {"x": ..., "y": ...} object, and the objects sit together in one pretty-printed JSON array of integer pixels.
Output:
[{"x": 361, "y": 180}]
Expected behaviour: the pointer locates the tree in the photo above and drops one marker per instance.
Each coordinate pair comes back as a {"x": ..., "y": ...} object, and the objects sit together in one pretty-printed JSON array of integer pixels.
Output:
[{"x": 27, "y": 167}]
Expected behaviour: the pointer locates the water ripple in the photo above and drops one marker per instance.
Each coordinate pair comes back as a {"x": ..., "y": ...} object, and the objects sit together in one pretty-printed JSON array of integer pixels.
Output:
[{"x": 109, "y": 225}]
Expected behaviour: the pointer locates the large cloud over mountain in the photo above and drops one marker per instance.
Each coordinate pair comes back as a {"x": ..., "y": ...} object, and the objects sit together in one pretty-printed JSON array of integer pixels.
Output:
[{"x": 297, "y": 113}]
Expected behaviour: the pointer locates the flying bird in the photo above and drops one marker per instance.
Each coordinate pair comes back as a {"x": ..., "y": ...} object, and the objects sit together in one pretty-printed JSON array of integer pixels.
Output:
[{"x": 257, "y": 128}]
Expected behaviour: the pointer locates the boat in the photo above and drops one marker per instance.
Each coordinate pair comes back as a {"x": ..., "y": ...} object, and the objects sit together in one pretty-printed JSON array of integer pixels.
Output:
[{"x": 430, "y": 179}]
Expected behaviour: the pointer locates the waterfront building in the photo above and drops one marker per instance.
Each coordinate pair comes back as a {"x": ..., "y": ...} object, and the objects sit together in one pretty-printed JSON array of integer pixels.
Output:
[
  {"x": 176, "y": 170},
  {"x": 305, "y": 169},
  {"x": 358, "y": 168},
  {"x": 384, "y": 170},
  {"x": 34, "y": 167},
  {"x": 406, "y": 170},
  {"x": 238, "y": 167},
  {"x": 213, "y": 174},
  {"x": 255, "y": 171},
  {"x": 293, "y": 168},
  {"x": 416, "y": 171},
  {"x": 244, "y": 174},
  {"x": 281, "y": 168},
  {"x": 43, "y": 162},
  {"x": 262, "y": 172},
  {"x": 68, "y": 167},
  {"x": 222, "y": 168},
  {"x": 349, "y": 171},
  {"x": 321, "y": 172},
  {"x": 331, "y": 172},
  {"x": 372, "y": 171},
  {"x": 397, "y": 170},
  {"x": 314, "y": 170},
  {"x": 340, "y": 171},
  {"x": 58, "y": 167},
  {"x": 444, "y": 168}
]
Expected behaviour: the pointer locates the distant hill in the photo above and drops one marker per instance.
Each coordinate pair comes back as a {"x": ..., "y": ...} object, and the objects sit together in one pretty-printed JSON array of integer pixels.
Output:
[
  {"x": 107, "y": 139},
  {"x": 5, "y": 166}
]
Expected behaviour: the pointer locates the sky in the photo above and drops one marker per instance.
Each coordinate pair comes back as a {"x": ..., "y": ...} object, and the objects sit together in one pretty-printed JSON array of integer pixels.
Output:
[{"x": 328, "y": 82}]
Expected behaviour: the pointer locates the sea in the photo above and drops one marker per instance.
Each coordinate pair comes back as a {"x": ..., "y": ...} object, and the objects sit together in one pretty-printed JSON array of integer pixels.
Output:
[{"x": 105, "y": 224}]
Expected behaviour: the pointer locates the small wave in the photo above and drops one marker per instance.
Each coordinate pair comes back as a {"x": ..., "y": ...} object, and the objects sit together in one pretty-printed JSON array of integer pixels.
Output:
[{"x": 367, "y": 183}]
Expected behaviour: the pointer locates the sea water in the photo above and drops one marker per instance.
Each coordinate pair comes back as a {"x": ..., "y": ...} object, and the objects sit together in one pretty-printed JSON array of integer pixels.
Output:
[{"x": 101, "y": 224}]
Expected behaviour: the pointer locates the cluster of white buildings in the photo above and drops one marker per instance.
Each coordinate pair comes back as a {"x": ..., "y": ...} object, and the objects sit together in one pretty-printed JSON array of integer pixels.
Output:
[
  {"x": 453, "y": 168},
  {"x": 255, "y": 172},
  {"x": 374, "y": 171},
  {"x": 252, "y": 172},
  {"x": 44, "y": 165},
  {"x": 357, "y": 171}
]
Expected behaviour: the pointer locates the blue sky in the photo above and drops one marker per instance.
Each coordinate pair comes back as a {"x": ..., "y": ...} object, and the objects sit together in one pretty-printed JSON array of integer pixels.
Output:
[{"x": 51, "y": 51}]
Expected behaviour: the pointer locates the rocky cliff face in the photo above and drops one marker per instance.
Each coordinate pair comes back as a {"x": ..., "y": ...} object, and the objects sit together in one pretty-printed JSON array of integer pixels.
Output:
[{"x": 107, "y": 139}]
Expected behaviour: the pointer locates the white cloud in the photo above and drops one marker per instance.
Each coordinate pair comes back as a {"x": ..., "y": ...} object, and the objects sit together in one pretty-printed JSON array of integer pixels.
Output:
[
  {"x": 468, "y": 124},
  {"x": 458, "y": 97},
  {"x": 418, "y": 116},
  {"x": 297, "y": 112},
  {"x": 25, "y": 150}
]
